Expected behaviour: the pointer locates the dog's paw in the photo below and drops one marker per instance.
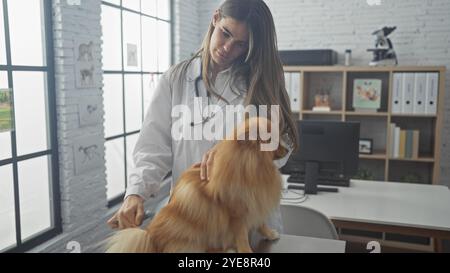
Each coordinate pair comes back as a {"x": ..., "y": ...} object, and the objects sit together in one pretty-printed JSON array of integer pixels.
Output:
[
  {"x": 272, "y": 235},
  {"x": 231, "y": 250}
]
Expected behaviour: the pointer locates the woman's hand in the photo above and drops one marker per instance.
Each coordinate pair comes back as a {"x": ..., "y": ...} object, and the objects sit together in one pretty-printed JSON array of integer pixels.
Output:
[
  {"x": 207, "y": 164},
  {"x": 130, "y": 214}
]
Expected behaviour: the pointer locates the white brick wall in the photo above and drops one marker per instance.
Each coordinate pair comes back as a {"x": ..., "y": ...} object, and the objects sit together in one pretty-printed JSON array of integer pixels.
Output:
[
  {"x": 83, "y": 196},
  {"x": 422, "y": 36}
]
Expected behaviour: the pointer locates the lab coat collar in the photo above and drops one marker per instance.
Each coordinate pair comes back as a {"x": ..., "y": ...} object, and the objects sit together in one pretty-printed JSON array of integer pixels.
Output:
[
  {"x": 194, "y": 70},
  {"x": 195, "y": 67}
]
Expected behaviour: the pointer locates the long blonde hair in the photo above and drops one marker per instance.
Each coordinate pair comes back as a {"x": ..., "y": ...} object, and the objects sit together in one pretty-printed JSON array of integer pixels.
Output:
[{"x": 260, "y": 67}]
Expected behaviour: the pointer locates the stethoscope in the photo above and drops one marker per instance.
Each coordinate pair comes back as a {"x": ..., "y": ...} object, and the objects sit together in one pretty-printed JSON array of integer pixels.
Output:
[{"x": 197, "y": 95}]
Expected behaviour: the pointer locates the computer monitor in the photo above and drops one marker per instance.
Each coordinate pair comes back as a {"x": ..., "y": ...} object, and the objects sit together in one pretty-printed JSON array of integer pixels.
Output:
[{"x": 329, "y": 147}]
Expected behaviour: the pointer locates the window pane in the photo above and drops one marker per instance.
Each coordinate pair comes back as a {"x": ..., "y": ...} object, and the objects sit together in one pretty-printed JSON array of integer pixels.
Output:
[
  {"x": 2, "y": 38},
  {"x": 3, "y": 80},
  {"x": 5, "y": 145},
  {"x": 149, "y": 7},
  {"x": 164, "y": 9},
  {"x": 163, "y": 46},
  {"x": 113, "y": 99},
  {"x": 5, "y": 137},
  {"x": 34, "y": 188},
  {"x": 149, "y": 45},
  {"x": 8, "y": 222},
  {"x": 26, "y": 28},
  {"x": 30, "y": 112},
  {"x": 112, "y": 51},
  {"x": 132, "y": 4},
  {"x": 133, "y": 102},
  {"x": 132, "y": 41},
  {"x": 115, "y": 170},
  {"x": 131, "y": 142}
]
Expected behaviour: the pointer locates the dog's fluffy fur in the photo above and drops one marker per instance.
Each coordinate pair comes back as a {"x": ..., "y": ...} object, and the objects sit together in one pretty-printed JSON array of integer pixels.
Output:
[{"x": 215, "y": 215}]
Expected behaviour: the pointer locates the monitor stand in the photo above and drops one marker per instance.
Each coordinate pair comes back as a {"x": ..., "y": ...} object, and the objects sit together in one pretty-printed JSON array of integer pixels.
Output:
[{"x": 311, "y": 179}]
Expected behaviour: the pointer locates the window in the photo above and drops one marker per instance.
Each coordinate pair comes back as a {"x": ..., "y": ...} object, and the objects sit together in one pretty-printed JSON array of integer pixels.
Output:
[
  {"x": 136, "y": 51},
  {"x": 29, "y": 192}
]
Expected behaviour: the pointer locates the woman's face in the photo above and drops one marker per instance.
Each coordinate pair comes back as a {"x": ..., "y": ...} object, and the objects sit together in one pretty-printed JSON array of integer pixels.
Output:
[{"x": 228, "y": 41}]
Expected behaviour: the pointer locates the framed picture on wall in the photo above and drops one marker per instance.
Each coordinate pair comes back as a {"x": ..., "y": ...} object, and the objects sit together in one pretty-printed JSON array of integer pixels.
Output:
[
  {"x": 84, "y": 63},
  {"x": 365, "y": 146}
]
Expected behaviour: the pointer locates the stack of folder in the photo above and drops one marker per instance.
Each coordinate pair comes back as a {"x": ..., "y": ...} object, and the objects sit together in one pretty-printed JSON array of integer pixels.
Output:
[
  {"x": 415, "y": 93},
  {"x": 292, "y": 81},
  {"x": 404, "y": 143}
]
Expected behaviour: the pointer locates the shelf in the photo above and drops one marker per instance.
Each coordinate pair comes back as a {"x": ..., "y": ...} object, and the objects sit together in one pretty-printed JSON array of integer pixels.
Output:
[
  {"x": 338, "y": 83},
  {"x": 413, "y": 116},
  {"x": 375, "y": 114},
  {"x": 375, "y": 155},
  {"x": 338, "y": 68},
  {"x": 411, "y": 171},
  {"x": 428, "y": 159},
  {"x": 311, "y": 112}
]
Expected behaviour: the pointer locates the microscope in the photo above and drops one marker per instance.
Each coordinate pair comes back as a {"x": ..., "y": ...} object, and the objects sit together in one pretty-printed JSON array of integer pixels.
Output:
[{"x": 383, "y": 53}]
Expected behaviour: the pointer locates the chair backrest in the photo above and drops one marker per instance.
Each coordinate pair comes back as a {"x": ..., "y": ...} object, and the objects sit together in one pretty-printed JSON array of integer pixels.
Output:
[{"x": 303, "y": 221}]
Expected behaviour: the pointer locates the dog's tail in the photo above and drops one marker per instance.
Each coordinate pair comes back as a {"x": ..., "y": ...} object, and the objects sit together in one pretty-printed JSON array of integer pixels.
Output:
[{"x": 131, "y": 240}]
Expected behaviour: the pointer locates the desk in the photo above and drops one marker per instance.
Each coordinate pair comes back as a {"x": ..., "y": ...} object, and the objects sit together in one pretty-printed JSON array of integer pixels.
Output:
[
  {"x": 300, "y": 244},
  {"x": 405, "y": 208}
]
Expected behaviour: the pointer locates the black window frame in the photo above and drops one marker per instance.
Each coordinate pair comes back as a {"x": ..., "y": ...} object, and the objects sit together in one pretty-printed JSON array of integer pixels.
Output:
[{"x": 49, "y": 70}]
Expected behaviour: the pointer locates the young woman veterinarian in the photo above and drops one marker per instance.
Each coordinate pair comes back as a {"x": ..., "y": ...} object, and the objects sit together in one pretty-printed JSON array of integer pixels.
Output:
[{"x": 238, "y": 64}]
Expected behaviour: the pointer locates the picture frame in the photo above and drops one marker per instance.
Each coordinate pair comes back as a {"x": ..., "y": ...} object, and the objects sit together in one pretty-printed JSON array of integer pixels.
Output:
[
  {"x": 85, "y": 66},
  {"x": 89, "y": 111},
  {"x": 365, "y": 146},
  {"x": 88, "y": 154},
  {"x": 132, "y": 53},
  {"x": 367, "y": 94}
]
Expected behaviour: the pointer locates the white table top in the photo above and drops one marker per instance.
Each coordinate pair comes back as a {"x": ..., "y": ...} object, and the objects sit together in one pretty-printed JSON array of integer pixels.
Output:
[
  {"x": 378, "y": 202},
  {"x": 300, "y": 244}
]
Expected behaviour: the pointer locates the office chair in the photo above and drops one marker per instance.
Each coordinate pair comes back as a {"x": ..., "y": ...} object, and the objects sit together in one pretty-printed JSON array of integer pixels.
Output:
[{"x": 303, "y": 221}]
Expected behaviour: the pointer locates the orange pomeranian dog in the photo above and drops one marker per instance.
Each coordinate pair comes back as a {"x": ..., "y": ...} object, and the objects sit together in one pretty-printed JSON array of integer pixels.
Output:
[{"x": 215, "y": 215}]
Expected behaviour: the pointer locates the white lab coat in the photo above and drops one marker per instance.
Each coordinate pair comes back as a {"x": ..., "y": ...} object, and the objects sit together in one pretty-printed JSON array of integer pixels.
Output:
[{"x": 160, "y": 159}]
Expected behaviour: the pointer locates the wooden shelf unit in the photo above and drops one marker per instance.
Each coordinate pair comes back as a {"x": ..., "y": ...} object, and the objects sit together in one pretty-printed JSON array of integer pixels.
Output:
[{"x": 341, "y": 90}]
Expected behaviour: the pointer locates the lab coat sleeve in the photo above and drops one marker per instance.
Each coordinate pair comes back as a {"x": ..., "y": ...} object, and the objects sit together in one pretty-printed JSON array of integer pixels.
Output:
[
  {"x": 152, "y": 154},
  {"x": 282, "y": 161}
]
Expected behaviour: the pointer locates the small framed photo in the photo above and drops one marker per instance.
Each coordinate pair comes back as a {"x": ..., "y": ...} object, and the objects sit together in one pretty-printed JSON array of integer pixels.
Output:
[{"x": 365, "y": 146}]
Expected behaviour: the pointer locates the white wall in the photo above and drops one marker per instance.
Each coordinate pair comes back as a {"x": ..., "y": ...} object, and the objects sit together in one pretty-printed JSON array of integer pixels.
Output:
[{"x": 422, "y": 36}]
